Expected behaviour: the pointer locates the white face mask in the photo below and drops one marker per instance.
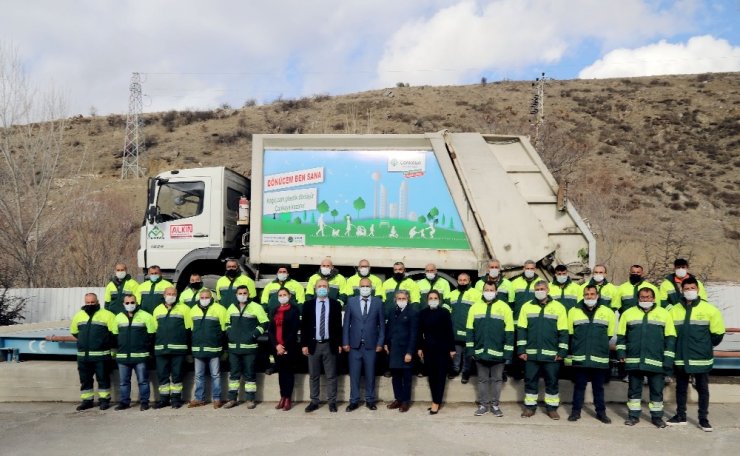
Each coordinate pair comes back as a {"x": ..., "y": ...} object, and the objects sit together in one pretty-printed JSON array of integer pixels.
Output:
[
  {"x": 365, "y": 291},
  {"x": 283, "y": 299},
  {"x": 205, "y": 302},
  {"x": 433, "y": 303},
  {"x": 645, "y": 305},
  {"x": 540, "y": 294},
  {"x": 169, "y": 299},
  {"x": 129, "y": 307},
  {"x": 691, "y": 295},
  {"x": 489, "y": 295},
  {"x": 431, "y": 275},
  {"x": 590, "y": 302},
  {"x": 120, "y": 275},
  {"x": 681, "y": 273},
  {"x": 529, "y": 273},
  {"x": 242, "y": 298},
  {"x": 401, "y": 304},
  {"x": 364, "y": 271},
  {"x": 282, "y": 276},
  {"x": 494, "y": 272},
  {"x": 325, "y": 271},
  {"x": 561, "y": 278},
  {"x": 598, "y": 278}
]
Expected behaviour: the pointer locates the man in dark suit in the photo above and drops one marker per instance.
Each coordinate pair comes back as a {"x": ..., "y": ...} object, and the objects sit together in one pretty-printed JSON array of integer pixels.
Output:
[
  {"x": 401, "y": 334},
  {"x": 363, "y": 334},
  {"x": 321, "y": 338}
]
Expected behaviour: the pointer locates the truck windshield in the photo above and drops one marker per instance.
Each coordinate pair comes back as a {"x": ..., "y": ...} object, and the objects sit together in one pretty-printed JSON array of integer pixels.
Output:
[{"x": 178, "y": 200}]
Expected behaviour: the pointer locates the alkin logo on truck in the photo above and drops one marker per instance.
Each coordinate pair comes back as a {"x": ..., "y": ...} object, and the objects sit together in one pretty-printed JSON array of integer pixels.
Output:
[{"x": 181, "y": 231}]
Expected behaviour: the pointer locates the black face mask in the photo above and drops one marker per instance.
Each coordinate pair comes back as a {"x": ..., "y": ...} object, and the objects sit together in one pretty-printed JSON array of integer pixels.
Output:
[
  {"x": 90, "y": 310},
  {"x": 196, "y": 285},
  {"x": 462, "y": 287},
  {"x": 635, "y": 279},
  {"x": 399, "y": 276},
  {"x": 232, "y": 273}
]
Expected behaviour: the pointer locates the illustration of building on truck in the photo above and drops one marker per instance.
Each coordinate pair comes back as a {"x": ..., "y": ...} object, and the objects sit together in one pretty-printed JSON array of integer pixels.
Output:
[{"x": 453, "y": 199}]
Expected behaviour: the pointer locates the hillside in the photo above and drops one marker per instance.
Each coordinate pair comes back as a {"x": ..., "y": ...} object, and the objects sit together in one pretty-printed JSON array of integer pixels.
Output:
[{"x": 652, "y": 163}]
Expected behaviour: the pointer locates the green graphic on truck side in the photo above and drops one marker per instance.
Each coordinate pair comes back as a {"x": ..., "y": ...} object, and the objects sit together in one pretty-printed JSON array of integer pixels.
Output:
[{"x": 358, "y": 198}]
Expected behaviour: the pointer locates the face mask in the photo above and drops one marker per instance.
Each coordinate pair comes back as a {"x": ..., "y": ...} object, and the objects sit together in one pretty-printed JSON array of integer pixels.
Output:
[
  {"x": 169, "y": 299},
  {"x": 129, "y": 307},
  {"x": 242, "y": 298},
  {"x": 431, "y": 276},
  {"x": 645, "y": 305},
  {"x": 529, "y": 273},
  {"x": 590, "y": 302},
  {"x": 204, "y": 302},
  {"x": 364, "y": 271},
  {"x": 691, "y": 295},
  {"x": 399, "y": 276},
  {"x": 322, "y": 292},
  {"x": 433, "y": 303},
  {"x": 232, "y": 273},
  {"x": 282, "y": 276},
  {"x": 540, "y": 294},
  {"x": 120, "y": 275},
  {"x": 325, "y": 271},
  {"x": 681, "y": 273},
  {"x": 494, "y": 272},
  {"x": 462, "y": 287},
  {"x": 598, "y": 278},
  {"x": 401, "y": 304},
  {"x": 196, "y": 285},
  {"x": 283, "y": 299},
  {"x": 90, "y": 310},
  {"x": 365, "y": 291},
  {"x": 561, "y": 278},
  {"x": 153, "y": 277},
  {"x": 635, "y": 279},
  {"x": 489, "y": 295}
]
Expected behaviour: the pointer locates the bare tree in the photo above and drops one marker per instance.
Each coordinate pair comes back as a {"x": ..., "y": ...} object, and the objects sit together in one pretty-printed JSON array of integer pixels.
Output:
[{"x": 31, "y": 133}]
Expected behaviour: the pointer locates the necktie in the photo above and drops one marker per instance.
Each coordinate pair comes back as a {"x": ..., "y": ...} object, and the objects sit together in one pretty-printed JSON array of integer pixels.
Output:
[
  {"x": 364, "y": 307},
  {"x": 322, "y": 325}
]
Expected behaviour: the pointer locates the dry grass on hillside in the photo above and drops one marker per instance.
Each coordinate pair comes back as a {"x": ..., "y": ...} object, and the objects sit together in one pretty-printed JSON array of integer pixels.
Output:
[{"x": 652, "y": 163}]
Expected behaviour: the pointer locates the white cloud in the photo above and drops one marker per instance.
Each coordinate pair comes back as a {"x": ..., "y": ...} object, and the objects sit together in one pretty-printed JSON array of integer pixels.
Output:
[
  {"x": 470, "y": 36},
  {"x": 701, "y": 54}
]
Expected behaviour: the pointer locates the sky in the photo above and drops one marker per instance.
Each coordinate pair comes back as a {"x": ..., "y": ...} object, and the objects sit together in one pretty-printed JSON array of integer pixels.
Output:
[{"x": 200, "y": 55}]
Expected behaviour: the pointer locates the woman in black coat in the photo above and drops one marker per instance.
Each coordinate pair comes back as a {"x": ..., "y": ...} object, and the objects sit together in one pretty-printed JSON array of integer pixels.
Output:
[
  {"x": 436, "y": 346},
  {"x": 400, "y": 334},
  {"x": 283, "y": 334}
]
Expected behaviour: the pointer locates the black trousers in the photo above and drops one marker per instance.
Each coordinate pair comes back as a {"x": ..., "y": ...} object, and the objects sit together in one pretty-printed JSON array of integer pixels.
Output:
[
  {"x": 583, "y": 375},
  {"x": 170, "y": 367},
  {"x": 682, "y": 391},
  {"x": 286, "y": 374},
  {"x": 437, "y": 366},
  {"x": 89, "y": 370},
  {"x": 402, "y": 384}
]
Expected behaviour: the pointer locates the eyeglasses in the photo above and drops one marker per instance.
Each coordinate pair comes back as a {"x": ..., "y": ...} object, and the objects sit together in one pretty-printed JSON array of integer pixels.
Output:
[{"x": 129, "y": 302}]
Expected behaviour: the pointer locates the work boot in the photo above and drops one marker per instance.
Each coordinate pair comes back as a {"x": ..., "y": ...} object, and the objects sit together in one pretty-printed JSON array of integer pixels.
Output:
[
  {"x": 162, "y": 403},
  {"x": 677, "y": 420},
  {"x": 122, "y": 406},
  {"x": 104, "y": 405},
  {"x": 230, "y": 404},
  {"x": 251, "y": 405},
  {"x": 217, "y": 404},
  {"x": 631, "y": 421},
  {"x": 465, "y": 378},
  {"x": 144, "y": 406},
  {"x": 603, "y": 418},
  {"x": 553, "y": 414},
  {"x": 658, "y": 423},
  {"x": 196, "y": 403},
  {"x": 176, "y": 403},
  {"x": 528, "y": 412},
  {"x": 85, "y": 405},
  {"x": 574, "y": 416}
]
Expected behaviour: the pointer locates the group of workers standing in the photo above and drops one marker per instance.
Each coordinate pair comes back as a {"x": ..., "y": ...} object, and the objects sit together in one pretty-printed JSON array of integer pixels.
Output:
[{"x": 527, "y": 326}]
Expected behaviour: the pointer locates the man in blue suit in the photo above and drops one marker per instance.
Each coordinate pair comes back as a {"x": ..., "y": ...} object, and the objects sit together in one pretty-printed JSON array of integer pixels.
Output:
[{"x": 363, "y": 334}]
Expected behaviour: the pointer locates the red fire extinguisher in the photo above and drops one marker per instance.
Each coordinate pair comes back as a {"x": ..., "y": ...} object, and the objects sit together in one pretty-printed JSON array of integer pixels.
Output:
[{"x": 243, "y": 209}]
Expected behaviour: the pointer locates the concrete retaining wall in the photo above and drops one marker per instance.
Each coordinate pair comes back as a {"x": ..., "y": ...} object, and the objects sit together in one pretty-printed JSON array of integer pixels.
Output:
[{"x": 58, "y": 381}]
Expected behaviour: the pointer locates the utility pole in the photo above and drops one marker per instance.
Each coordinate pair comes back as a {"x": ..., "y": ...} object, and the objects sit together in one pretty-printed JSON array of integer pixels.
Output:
[{"x": 133, "y": 144}]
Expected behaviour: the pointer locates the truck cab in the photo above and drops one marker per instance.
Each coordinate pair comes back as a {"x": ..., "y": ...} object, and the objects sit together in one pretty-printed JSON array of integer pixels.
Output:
[{"x": 191, "y": 222}]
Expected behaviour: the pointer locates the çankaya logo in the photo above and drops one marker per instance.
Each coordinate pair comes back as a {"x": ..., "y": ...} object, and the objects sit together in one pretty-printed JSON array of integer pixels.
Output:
[{"x": 155, "y": 233}]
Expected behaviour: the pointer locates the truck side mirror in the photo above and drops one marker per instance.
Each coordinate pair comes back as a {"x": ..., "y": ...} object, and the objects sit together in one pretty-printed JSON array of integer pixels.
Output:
[{"x": 152, "y": 214}]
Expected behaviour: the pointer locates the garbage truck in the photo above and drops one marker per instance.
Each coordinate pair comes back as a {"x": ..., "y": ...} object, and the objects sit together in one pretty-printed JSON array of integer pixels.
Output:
[{"x": 452, "y": 199}]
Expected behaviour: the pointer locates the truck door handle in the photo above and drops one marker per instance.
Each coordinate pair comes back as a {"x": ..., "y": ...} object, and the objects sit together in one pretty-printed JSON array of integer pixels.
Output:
[{"x": 199, "y": 235}]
